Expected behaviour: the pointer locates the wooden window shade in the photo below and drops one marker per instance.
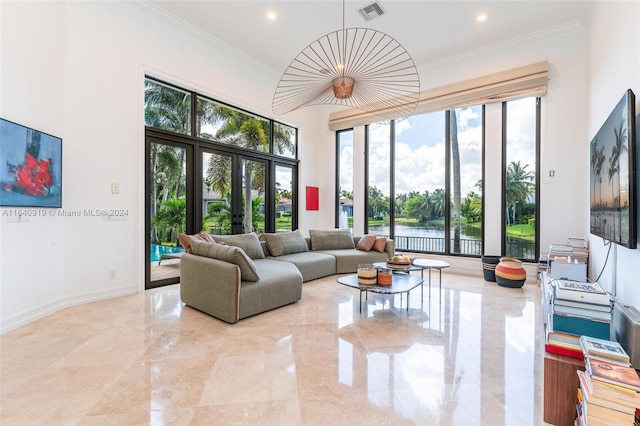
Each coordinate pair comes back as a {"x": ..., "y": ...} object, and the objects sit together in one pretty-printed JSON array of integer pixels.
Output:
[{"x": 529, "y": 80}]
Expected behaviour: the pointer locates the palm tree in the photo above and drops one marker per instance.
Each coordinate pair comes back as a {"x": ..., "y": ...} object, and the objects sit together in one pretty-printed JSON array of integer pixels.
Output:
[
  {"x": 376, "y": 202},
  {"x": 241, "y": 130},
  {"x": 166, "y": 173},
  {"x": 519, "y": 186},
  {"x": 613, "y": 171},
  {"x": 437, "y": 203},
  {"x": 455, "y": 160},
  {"x": 221, "y": 210},
  {"x": 171, "y": 218},
  {"x": 283, "y": 139},
  {"x": 614, "y": 161},
  {"x": 594, "y": 162},
  {"x": 599, "y": 163}
]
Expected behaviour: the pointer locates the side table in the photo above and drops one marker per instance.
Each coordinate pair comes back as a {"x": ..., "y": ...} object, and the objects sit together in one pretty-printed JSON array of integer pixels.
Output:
[{"x": 432, "y": 264}]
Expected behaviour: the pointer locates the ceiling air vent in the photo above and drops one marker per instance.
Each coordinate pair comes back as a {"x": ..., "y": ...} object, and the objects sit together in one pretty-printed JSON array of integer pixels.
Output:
[{"x": 372, "y": 11}]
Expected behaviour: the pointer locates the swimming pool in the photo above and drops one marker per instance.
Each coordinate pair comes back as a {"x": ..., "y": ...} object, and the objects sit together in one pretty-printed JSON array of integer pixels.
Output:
[{"x": 157, "y": 250}]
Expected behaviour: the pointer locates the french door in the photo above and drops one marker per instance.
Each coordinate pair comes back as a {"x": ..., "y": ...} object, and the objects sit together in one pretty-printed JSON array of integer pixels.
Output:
[
  {"x": 234, "y": 193},
  {"x": 194, "y": 185},
  {"x": 169, "y": 185}
]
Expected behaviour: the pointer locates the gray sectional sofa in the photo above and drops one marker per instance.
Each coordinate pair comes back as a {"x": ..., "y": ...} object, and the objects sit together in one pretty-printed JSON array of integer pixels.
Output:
[{"x": 238, "y": 276}]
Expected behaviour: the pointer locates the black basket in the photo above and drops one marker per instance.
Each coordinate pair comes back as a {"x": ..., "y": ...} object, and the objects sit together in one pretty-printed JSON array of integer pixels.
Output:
[{"x": 489, "y": 267}]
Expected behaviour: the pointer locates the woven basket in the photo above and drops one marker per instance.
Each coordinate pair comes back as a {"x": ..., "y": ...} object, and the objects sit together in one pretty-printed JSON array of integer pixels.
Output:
[{"x": 510, "y": 273}]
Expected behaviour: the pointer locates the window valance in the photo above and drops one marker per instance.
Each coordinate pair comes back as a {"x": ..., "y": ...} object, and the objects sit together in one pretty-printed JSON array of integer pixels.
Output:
[{"x": 529, "y": 80}]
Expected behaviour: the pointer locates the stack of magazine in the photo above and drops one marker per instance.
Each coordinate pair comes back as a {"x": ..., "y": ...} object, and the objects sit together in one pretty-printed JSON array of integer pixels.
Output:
[
  {"x": 581, "y": 308},
  {"x": 608, "y": 393}
]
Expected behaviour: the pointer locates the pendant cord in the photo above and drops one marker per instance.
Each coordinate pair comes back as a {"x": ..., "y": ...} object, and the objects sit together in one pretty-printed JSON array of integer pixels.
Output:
[{"x": 344, "y": 41}]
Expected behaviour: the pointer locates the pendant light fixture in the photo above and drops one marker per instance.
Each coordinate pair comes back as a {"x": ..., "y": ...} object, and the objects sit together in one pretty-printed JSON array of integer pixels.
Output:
[{"x": 353, "y": 67}]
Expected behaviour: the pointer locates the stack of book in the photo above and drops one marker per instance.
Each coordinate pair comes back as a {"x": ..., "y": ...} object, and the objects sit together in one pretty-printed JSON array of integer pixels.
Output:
[
  {"x": 579, "y": 248},
  {"x": 581, "y": 308},
  {"x": 608, "y": 393},
  {"x": 575, "y": 250}
]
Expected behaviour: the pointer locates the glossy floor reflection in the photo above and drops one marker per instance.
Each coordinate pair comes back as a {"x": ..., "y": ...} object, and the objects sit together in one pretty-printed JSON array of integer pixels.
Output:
[{"x": 475, "y": 358}]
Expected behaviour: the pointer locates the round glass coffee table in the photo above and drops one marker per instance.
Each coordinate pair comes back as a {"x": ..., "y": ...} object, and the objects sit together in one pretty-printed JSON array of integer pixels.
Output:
[
  {"x": 432, "y": 264},
  {"x": 401, "y": 283}
]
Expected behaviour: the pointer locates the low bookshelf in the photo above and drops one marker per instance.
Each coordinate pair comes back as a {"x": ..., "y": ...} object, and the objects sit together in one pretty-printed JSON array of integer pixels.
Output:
[
  {"x": 560, "y": 373},
  {"x": 560, "y": 384}
]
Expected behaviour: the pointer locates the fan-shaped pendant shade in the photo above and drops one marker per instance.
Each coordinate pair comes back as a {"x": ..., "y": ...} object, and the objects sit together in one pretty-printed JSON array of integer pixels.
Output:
[{"x": 356, "y": 67}]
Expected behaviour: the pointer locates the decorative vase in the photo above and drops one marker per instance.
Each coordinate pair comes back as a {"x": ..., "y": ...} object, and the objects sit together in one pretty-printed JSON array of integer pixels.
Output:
[
  {"x": 489, "y": 267},
  {"x": 367, "y": 274},
  {"x": 510, "y": 273}
]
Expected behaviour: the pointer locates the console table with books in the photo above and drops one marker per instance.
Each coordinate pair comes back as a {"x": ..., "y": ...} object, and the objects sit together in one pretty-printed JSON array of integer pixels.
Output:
[{"x": 560, "y": 371}]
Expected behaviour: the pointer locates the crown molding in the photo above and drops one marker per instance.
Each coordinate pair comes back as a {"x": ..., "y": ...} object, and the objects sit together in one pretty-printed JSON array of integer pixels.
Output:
[
  {"x": 177, "y": 22},
  {"x": 527, "y": 39}
]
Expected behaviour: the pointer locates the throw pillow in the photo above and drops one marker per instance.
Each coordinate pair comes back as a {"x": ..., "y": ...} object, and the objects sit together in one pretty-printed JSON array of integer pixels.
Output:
[
  {"x": 247, "y": 242},
  {"x": 333, "y": 239},
  {"x": 286, "y": 243},
  {"x": 380, "y": 244},
  {"x": 185, "y": 240},
  {"x": 227, "y": 253},
  {"x": 204, "y": 235},
  {"x": 366, "y": 242}
]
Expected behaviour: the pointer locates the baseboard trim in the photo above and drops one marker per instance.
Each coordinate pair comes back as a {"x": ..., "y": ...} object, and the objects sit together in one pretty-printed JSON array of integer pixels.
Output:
[
  {"x": 46, "y": 309},
  {"x": 31, "y": 315}
]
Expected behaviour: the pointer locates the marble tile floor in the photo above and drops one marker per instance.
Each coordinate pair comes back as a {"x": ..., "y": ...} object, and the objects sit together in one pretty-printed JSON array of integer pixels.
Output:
[{"x": 472, "y": 355}]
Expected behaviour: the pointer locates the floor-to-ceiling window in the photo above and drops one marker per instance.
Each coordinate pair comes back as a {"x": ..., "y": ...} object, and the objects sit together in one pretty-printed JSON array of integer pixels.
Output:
[
  {"x": 344, "y": 179},
  {"x": 465, "y": 174},
  {"x": 212, "y": 167},
  {"x": 521, "y": 121},
  {"x": 378, "y": 193},
  {"x": 431, "y": 166},
  {"x": 420, "y": 176}
]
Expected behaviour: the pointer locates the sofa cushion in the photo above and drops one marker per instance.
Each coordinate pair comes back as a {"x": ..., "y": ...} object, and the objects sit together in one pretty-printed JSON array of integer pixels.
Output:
[
  {"x": 280, "y": 284},
  {"x": 286, "y": 243},
  {"x": 247, "y": 242},
  {"x": 227, "y": 253},
  {"x": 185, "y": 240},
  {"x": 311, "y": 264},
  {"x": 333, "y": 239},
  {"x": 366, "y": 242},
  {"x": 380, "y": 244},
  {"x": 347, "y": 261}
]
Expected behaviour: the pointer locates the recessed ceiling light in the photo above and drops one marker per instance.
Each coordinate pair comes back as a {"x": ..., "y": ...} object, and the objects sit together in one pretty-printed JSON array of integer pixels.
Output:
[
  {"x": 271, "y": 15},
  {"x": 481, "y": 17}
]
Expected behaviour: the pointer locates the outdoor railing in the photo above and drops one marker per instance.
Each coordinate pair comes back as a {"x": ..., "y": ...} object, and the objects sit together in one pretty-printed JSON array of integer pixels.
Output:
[
  {"x": 436, "y": 245},
  {"x": 517, "y": 249}
]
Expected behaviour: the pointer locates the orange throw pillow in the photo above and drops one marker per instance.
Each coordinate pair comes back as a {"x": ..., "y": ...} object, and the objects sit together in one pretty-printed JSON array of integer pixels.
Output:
[
  {"x": 380, "y": 244},
  {"x": 366, "y": 242},
  {"x": 185, "y": 239}
]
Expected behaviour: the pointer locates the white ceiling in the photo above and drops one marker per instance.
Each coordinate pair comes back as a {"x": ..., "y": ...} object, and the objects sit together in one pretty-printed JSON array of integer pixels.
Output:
[{"x": 428, "y": 30}]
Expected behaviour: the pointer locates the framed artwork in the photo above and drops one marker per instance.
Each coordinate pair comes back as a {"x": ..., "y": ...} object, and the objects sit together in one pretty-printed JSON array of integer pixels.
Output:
[
  {"x": 31, "y": 167},
  {"x": 613, "y": 176},
  {"x": 312, "y": 198}
]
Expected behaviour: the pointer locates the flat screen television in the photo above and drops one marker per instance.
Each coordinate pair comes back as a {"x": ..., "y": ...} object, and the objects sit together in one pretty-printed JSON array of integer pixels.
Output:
[
  {"x": 30, "y": 167},
  {"x": 613, "y": 176}
]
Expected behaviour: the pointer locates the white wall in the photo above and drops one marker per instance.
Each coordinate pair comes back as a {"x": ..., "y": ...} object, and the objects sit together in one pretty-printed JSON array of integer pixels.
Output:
[
  {"x": 32, "y": 277},
  {"x": 77, "y": 72},
  {"x": 613, "y": 67}
]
